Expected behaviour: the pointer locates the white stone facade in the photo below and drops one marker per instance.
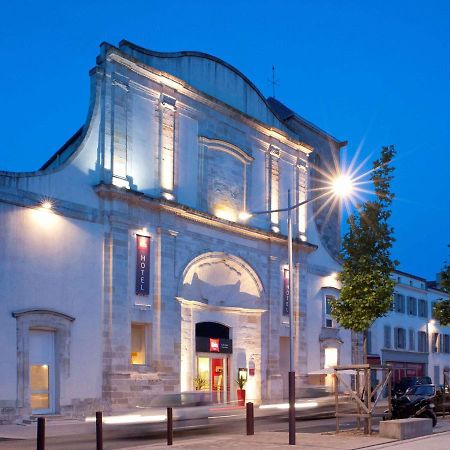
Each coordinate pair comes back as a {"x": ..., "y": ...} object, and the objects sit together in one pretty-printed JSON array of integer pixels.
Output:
[
  {"x": 174, "y": 147},
  {"x": 409, "y": 338}
]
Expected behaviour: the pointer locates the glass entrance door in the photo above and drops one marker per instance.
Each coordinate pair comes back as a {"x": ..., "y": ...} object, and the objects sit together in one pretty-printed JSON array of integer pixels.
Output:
[
  {"x": 214, "y": 374},
  {"x": 42, "y": 371}
]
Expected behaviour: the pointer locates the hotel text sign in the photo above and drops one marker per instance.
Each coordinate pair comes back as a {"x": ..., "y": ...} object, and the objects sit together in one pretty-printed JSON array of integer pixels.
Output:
[
  {"x": 142, "y": 265},
  {"x": 286, "y": 301}
]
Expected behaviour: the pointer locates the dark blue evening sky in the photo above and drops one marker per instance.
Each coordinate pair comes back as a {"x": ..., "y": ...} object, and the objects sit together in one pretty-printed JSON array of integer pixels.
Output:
[{"x": 372, "y": 73}]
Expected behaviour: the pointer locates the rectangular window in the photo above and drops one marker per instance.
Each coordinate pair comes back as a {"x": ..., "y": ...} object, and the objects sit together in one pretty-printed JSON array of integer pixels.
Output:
[
  {"x": 399, "y": 338},
  {"x": 330, "y": 322},
  {"x": 435, "y": 342},
  {"x": 400, "y": 303},
  {"x": 446, "y": 345},
  {"x": 422, "y": 341},
  {"x": 138, "y": 344},
  {"x": 387, "y": 336},
  {"x": 412, "y": 306},
  {"x": 423, "y": 308},
  {"x": 437, "y": 372},
  {"x": 412, "y": 343}
]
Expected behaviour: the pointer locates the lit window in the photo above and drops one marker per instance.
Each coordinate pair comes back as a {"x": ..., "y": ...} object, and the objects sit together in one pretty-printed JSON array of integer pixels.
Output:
[
  {"x": 331, "y": 357},
  {"x": 138, "y": 344}
]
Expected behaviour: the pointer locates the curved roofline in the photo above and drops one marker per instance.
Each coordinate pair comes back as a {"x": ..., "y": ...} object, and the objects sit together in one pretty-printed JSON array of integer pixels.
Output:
[{"x": 182, "y": 53}]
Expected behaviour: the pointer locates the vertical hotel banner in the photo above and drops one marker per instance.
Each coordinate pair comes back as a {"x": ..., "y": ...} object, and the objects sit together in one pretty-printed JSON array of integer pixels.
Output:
[
  {"x": 142, "y": 264},
  {"x": 286, "y": 299}
]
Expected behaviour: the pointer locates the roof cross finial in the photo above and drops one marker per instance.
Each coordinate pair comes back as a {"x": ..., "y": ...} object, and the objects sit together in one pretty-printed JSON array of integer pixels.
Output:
[{"x": 273, "y": 81}]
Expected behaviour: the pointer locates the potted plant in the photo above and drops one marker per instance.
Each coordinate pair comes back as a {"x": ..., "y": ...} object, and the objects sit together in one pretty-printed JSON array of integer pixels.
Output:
[
  {"x": 200, "y": 383},
  {"x": 240, "y": 381}
]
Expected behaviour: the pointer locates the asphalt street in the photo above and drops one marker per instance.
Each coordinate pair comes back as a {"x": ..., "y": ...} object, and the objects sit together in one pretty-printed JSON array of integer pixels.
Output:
[{"x": 135, "y": 435}]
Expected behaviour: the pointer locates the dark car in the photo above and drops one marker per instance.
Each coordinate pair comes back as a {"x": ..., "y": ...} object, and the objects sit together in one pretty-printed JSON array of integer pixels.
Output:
[
  {"x": 420, "y": 391},
  {"x": 407, "y": 382}
]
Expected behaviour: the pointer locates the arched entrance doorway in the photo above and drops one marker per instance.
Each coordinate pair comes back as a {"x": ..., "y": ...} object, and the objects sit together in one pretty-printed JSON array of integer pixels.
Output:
[
  {"x": 222, "y": 301},
  {"x": 213, "y": 348}
]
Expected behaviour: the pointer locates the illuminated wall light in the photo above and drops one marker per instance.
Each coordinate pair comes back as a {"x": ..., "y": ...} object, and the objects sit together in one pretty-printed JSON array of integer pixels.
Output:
[
  {"x": 275, "y": 228},
  {"x": 226, "y": 213},
  {"x": 120, "y": 182},
  {"x": 168, "y": 196},
  {"x": 47, "y": 204}
]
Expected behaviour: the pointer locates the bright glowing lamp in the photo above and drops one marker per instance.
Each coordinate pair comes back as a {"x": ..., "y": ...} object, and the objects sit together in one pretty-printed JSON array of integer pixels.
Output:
[
  {"x": 244, "y": 216},
  {"x": 47, "y": 204},
  {"x": 342, "y": 186}
]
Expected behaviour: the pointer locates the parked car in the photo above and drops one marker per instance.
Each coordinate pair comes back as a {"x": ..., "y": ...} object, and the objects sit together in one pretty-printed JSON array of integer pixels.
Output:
[
  {"x": 420, "y": 391},
  {"x": 189, "y": 409},
  {"x": 311, "y": 402},
  {"x": 407, "y": 382}
]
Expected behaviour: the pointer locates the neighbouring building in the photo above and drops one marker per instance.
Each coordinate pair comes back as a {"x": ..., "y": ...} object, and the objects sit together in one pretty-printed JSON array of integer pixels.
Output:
[
  {"x": 124, "y": 270},
  {"x": 409, "y": 338}
]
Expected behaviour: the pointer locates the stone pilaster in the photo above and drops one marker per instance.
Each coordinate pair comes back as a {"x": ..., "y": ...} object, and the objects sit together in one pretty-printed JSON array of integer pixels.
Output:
[
  {"x": 167, "y": 146},
  {"x": 302, "y": 182},
  {"x": 274, "y": 186},
  {"x": 119, "y": 129}
]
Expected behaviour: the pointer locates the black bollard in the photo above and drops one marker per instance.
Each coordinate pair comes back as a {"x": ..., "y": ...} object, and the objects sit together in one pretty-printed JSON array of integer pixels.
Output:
[
  {"x": 291, "y": 408},
  {"x": 99, "y": 429},
  {"x": 169, "y": 426},
  {"x": 40, "y": 433},
  {"x": 250, "y": 420}
]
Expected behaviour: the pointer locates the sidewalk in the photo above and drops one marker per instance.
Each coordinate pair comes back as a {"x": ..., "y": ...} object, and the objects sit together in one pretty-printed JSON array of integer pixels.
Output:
[{"x": 306, "y": 441}]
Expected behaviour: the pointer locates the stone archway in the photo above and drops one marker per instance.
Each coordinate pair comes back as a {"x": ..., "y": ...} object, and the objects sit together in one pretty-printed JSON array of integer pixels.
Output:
[
  {"x": 221, "y": 279},
  {"x": 224, "y": 289}
]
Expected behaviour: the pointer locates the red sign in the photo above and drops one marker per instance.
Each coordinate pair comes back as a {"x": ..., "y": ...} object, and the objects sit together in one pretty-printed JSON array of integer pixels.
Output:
[{"x": 214, "y": 345}]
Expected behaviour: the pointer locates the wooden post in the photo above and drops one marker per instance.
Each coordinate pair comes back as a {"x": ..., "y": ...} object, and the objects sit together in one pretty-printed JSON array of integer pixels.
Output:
[
  {"x": 99, "y": 429},
  {"x": 369, "y": 397},
  {"x": 358, "y": 393},
  {"x": 390, "y": 392},
  {"x": 366, "y": 400},
  {"x": 169, "y": 426},
  {"x": 336, "y": 398},
  {"x": 40, "y": 444},
  {"x": 250, "y": 420}
]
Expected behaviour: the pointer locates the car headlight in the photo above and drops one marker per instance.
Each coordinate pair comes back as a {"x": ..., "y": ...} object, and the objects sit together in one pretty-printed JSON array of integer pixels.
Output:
[{"x": 432, "y": 405}]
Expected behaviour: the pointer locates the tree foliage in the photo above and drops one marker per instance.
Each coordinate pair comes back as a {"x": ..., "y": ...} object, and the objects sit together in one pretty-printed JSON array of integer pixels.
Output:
[
  {"x": 367, "y": 286},
  {"x": 442, "y": 309}
]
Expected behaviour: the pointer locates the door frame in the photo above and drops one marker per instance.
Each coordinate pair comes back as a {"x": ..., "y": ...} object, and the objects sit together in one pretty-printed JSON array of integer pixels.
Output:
[
  {"x": 227, "y": 376},
  {"x": 51, "y": 374}
]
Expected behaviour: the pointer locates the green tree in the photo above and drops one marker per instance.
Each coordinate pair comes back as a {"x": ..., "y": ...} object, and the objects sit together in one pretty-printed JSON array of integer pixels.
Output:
[
  {"x": 442, "y": 309},
  {"x": 367, "y": 286}
]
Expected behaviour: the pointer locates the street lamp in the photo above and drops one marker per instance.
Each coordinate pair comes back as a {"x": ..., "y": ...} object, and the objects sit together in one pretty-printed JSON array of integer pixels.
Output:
[{"x": 341, "y": 187}]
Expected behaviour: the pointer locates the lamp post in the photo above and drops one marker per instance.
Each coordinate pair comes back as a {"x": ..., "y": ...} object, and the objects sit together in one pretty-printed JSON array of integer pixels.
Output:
[{"x": 341, "y": 187}]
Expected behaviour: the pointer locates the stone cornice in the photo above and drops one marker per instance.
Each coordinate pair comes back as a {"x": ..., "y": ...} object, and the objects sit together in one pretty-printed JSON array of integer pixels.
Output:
[
  {"x": 227, "y": 309},
  {"x": 32, "y": 200},
  {"x": 37, "y": 311},
  {"x": 110, "y": 192}
]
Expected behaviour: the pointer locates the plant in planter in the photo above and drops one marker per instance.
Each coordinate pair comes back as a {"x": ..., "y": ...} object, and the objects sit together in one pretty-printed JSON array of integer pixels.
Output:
[
  {"x": 241, "y": 381},
  {"x": 200, "y": 383}
]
